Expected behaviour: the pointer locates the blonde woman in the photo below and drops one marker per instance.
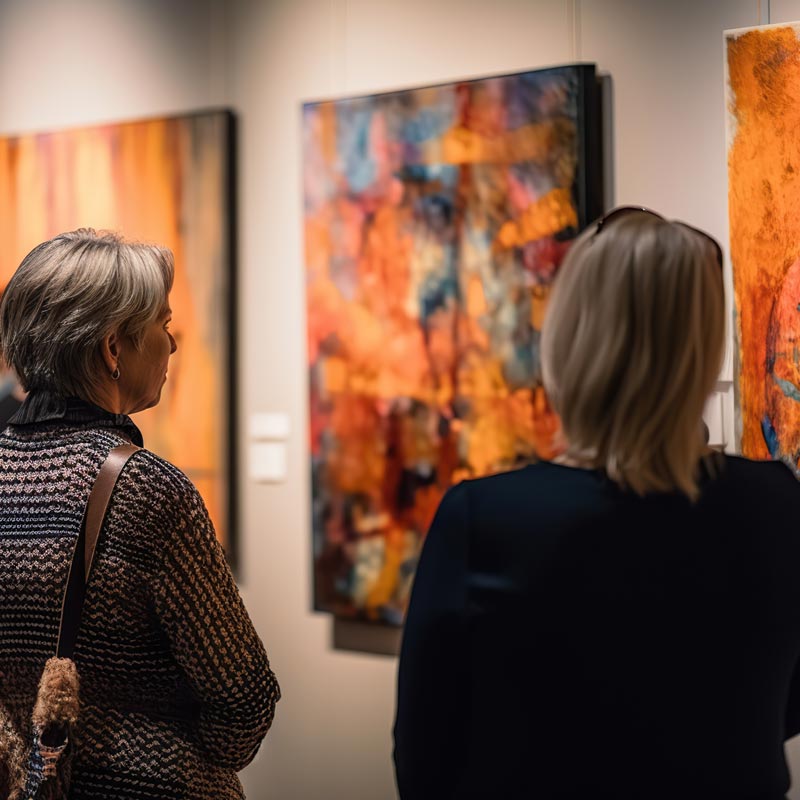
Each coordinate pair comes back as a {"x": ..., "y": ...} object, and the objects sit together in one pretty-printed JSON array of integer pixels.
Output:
[
  {"x": 176, "y": 692},
  {"x": 625, "y": 622}
]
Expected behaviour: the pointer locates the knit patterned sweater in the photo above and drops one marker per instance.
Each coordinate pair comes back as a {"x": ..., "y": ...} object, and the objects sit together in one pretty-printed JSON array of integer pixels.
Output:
[{"x": 176, "y": 688}]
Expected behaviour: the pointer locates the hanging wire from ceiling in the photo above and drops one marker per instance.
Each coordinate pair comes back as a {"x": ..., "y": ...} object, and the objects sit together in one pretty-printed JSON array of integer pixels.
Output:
[{"x": 574, "y": 14}]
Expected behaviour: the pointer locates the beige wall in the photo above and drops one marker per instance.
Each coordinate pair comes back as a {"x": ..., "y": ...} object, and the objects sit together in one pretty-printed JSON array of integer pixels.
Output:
[{"x": 83, "y": 61}]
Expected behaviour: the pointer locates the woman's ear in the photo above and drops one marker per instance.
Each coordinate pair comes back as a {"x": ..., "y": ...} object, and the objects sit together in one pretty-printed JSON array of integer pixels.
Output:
[{"x": 109, "y": 350}]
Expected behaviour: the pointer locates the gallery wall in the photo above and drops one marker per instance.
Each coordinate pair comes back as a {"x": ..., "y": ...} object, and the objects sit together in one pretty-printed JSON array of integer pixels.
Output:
[{"x": 89, "y": 61}]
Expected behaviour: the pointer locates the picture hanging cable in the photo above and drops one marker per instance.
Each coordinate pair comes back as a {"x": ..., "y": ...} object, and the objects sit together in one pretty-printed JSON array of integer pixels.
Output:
[{"x": 575, "y": 20}]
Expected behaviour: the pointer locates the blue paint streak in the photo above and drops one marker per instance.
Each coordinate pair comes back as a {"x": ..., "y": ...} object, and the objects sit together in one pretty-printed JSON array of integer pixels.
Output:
[
  {"x": 445, "y": 174},
  {"x": 353, "y": 144},
  {"x": 525, "y": 97},
  {"x": 427, "y": 124},
  {"x": 437, "y": 211},
  {"x": 520, "y": 369},
  {"x": 770, "y": 437},
  {"x": 434, "y": 293},
  {"x": 788, "y": 388}
]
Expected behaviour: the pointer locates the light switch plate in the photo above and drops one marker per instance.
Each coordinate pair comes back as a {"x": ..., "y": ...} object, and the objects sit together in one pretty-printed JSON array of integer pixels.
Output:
[
  {"x": 269, "y": 426},
  {"x": 268, "y": 462}
]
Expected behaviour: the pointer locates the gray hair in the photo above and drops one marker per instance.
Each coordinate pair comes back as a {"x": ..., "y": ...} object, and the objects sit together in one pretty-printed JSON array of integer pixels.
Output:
[
  {"x": 632, "y": 344},
  {"x": 68, "y": 294}
]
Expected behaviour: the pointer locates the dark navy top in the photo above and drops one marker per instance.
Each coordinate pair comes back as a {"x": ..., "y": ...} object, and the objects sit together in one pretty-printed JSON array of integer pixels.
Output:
[{"x": 568, "y": 639}]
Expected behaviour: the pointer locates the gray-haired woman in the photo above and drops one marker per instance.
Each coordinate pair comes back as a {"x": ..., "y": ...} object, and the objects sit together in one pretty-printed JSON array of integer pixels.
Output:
[{"x": 176, "y": 689}]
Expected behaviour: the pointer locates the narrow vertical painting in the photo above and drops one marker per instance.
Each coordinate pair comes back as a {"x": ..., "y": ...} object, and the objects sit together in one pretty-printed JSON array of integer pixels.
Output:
[
  {"x": 435, "y": 221},
  {"x": 763, "y": 117},
  {"x": 166, "y": 181}
]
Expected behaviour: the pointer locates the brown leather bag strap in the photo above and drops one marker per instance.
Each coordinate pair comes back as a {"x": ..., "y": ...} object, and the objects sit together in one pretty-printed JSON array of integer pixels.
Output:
[
  {"x": 85, "y": 546},
  {"x": 99, "y": 498}
]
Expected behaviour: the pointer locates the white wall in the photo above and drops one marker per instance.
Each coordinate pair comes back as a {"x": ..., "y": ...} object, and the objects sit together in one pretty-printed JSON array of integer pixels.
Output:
[
  {"x": 86, "y": 61},
  {"x": 96, "y": 60}
]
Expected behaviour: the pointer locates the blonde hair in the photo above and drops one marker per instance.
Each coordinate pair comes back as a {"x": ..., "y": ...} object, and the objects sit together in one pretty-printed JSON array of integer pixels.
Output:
[
  {"x": 631, "y": 347},
  {"x": 68, "y": 294}
]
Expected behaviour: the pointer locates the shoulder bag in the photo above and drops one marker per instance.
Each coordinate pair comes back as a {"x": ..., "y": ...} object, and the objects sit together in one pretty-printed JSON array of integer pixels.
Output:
[{"x": 39, "y": 766}]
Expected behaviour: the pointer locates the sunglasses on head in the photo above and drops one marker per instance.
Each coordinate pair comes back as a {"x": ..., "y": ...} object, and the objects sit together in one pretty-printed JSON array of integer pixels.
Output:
[{"x": 623, "y": 211}]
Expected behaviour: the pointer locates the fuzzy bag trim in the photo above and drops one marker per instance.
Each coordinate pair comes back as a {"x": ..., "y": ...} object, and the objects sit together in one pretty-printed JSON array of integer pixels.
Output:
[
  {"x": 13, "y": 758},
  {"x": 57, "y": 701}
]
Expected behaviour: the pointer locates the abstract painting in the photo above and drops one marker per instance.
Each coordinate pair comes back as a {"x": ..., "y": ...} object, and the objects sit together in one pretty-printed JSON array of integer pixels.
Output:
[
  {"x": 166, "y": 181},
  {"x": 435, "y": 221},
  {"x": 763, "y": 99}
]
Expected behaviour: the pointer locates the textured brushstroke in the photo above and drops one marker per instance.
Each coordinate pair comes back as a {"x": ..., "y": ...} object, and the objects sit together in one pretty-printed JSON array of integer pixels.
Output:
[
  {"x": 435, "y": 221},
  {"x": 764, "y": 207},
  {"x": 163, "y": 181}
]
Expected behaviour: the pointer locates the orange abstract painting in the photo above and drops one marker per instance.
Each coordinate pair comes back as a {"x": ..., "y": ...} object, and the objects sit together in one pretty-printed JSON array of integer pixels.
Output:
[
  {"x": 435, "y": 222},
  {"x": 763, "y": 86},
  {"x": 165, "y": 181}
]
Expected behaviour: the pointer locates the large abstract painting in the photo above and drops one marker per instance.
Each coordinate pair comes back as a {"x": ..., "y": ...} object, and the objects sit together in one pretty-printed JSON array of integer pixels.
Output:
[
  {"x": 763, "y": 96},
  {"x": 435, "y": 221},
  {"x": 165, "y": 181}
]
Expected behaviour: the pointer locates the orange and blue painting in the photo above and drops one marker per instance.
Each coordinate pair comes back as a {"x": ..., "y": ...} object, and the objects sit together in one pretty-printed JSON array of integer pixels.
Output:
[
  {"x": 435, "y": 221},
  {"x": 165, "y": 181},
  {"x": 763, "y": 95}
]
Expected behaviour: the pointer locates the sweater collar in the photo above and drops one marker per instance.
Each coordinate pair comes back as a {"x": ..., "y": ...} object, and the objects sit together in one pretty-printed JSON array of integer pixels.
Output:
[{"x": 42, "y": 407}]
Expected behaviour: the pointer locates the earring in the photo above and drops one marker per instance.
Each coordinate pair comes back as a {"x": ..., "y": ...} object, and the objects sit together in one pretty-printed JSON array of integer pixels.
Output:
[{"x": 115, "y": 374}]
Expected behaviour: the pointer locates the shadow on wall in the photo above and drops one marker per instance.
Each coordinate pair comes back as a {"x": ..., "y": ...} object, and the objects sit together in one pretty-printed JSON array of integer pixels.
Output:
[
  {"x": 605, "y": 88},
  {"x": 362, "y": 637}
]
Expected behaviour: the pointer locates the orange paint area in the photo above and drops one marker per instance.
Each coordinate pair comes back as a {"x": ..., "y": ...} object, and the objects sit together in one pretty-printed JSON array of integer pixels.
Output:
[
  {"x": 162, "y": 181},
  {"x": 435, "y": 222},
  {"x": 764, "y": 209},
  {"x": 545, "y": 217}
]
